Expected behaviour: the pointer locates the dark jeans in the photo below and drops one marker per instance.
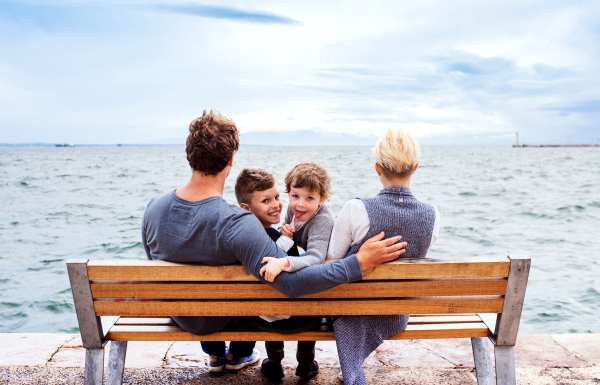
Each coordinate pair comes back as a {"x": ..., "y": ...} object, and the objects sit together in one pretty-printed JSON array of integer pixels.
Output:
[
  {"x": 236, "y": 348},
  {"x": 305, "y": 353}
]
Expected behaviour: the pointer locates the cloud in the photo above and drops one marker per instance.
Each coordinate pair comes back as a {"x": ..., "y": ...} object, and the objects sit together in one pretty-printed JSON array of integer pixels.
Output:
[
  {"x": 229, "y": 13},
  {"x": 125, "y": 71},
  {"x": 584, "y": 107}
]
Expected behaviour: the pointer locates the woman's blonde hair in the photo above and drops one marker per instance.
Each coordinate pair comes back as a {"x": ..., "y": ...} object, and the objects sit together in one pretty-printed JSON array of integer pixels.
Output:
[{"x": 396, "y": 152}]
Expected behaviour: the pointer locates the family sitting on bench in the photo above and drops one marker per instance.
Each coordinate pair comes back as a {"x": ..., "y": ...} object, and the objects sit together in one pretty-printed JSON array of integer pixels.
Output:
[{"x": 194, "y": 224}]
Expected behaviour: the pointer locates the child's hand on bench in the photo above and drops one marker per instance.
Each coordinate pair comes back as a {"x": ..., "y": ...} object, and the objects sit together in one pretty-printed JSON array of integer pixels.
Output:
[{"x": 273, "y": 267}]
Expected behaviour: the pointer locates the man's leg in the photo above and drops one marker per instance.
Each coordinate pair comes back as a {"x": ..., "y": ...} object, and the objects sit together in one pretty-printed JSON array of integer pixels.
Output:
[
  {"x": 241, "y": 354},
  {"x": 216, "y": 351},
  {"x": 213, "y": 348},
  {"x": 241, "y": 348}
]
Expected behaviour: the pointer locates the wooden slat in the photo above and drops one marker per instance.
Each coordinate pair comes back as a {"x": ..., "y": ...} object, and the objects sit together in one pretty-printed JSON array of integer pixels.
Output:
[
  {"x": 298, "y": 307},
  {"x": 413, "y": 320},
  {"x": 422, "y": 268},
  {"x": 175, "y": 333},
  {"x": 364, "y": 289},
  {"x": 442, "y": 319},
  {"x": 145, "y": 321}
]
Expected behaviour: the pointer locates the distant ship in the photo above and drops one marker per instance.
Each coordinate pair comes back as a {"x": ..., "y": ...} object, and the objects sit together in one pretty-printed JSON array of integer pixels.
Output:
[{"x": 65, "y": 145}]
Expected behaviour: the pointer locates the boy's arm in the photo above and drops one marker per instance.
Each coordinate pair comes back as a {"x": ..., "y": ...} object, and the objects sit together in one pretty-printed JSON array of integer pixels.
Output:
[{"x": 319, "y": 232}]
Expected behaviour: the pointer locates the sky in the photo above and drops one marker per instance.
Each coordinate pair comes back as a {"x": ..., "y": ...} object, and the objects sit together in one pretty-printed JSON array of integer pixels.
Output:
[{"x": 460, "y": 72}]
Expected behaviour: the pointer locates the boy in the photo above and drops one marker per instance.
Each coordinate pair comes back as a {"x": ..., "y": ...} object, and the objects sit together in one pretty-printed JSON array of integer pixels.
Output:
[{"x": 308, "y": 188}]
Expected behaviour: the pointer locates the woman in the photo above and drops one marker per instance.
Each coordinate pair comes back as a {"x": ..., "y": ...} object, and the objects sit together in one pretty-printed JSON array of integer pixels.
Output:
[{"x": 394, "y": 211}]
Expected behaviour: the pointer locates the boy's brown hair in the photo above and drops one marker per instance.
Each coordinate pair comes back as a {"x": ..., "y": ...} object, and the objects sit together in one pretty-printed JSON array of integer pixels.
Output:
[
  {"x": 212, "y": 140},
  {"x": 309, "y": 175},
  {"x": 251, "y": 180}
]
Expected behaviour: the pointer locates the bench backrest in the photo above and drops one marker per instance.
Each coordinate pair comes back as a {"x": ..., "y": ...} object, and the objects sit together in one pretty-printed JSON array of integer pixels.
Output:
[{"x": 406, "y": 286}]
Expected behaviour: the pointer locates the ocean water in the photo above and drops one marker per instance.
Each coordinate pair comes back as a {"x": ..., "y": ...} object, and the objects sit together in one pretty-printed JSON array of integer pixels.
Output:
[{"x": 88, "y": 202}]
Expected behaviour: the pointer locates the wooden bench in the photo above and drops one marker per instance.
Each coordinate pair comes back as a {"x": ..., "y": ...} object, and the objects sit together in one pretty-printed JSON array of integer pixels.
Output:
[{"x": 475, "y": 298}]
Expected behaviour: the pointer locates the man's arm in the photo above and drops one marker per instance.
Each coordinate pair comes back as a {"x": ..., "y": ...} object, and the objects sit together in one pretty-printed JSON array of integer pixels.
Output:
[{"x": 250, "y": 243}]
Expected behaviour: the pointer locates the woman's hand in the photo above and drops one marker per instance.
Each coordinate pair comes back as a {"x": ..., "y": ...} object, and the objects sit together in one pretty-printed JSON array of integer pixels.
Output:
[
  {"x": 374, "y": 251},
  {"x": 288, "y": 231},
  {"x": 273, "y": 267}
]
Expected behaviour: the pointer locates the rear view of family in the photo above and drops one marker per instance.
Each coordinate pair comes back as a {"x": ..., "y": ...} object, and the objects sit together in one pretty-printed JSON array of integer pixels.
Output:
[{"x": 194, "y": 224}]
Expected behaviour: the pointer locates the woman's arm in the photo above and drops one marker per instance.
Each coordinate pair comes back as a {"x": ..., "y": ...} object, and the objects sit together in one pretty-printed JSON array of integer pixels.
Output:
[{"x": 351, "y": 226}]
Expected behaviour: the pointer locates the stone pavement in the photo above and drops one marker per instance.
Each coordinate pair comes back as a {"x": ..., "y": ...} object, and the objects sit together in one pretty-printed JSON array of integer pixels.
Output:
[{"x": 540, "y": 359}]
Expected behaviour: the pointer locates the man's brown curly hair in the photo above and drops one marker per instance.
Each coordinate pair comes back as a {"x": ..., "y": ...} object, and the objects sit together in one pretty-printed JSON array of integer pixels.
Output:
[
  {"x": 310, "y": 175},
  {"x": 212, "y": 140}
]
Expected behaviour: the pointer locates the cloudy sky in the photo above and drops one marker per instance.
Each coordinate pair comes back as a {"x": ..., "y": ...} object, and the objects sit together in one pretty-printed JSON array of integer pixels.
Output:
[{"x": 469, "y": 72}]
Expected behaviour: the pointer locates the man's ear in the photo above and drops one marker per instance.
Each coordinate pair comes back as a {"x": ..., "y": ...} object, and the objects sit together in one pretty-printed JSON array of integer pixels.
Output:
[
  {"x": 230, "y": 163},
  {"x": 416, "y": 166},
  {"x": 245, "y": 206}
]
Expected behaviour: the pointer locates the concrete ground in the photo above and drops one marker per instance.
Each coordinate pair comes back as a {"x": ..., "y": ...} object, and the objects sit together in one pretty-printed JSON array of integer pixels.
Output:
[{"x": 540, "y": 359}]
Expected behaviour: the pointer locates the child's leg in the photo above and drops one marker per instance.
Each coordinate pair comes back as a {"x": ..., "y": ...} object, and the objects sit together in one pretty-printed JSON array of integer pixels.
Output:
[
  {"x": 275, "y": 350},
  {"x": 305, "y": 354}
]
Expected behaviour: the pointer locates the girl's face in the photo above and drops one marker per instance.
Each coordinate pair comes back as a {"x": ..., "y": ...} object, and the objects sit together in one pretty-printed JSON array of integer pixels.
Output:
[{"x": 304, "y": 203}]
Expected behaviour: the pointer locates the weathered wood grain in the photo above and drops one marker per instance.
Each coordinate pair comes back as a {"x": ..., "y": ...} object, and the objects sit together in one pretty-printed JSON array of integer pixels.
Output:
[
  {"x": 422, "y": 268},
  {"x": 413, "y": 320},
  {"x": 449, "y": 305},
  {"x": 364, "y": 289},
  {"x": 175, "y": 333}
]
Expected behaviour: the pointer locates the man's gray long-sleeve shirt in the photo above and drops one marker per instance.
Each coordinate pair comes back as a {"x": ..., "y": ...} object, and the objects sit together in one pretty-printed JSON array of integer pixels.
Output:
[{"x": 214, "y": 233}]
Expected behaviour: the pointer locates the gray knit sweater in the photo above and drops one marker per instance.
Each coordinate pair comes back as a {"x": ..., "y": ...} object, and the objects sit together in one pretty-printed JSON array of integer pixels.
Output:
[
  {"x": 397, "y": 212},
  {"x": 313, "y": 237}
]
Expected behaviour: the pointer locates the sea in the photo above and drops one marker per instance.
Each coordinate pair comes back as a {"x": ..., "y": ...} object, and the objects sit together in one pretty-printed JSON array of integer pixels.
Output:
[{"x": 87, "y": 202}]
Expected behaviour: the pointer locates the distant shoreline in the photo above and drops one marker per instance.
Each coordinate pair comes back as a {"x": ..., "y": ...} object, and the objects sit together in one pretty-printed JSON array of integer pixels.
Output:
[{"x": 556, "y": 145}]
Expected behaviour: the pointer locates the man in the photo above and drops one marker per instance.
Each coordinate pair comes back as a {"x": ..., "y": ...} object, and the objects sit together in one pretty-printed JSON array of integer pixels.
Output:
[{"x": 195, "y": 224}]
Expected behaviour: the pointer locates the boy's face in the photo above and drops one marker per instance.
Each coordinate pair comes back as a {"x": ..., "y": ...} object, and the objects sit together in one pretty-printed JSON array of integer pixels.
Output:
[
  {"x": 304, "y": 203},
  {"x": 266, "y": 205}
]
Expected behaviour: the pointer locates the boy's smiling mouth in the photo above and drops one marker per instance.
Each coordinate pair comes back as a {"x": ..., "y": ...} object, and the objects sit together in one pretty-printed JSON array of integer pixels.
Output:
[{"x": 274, "y": 213}]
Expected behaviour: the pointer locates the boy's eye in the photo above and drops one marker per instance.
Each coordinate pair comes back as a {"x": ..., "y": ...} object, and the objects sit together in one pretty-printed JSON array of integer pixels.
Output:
[
  {"x": 310, "y": 198},
  {"x": 294, "y": 196},
  {"x": 277, "y": 197},
  {"x": 265, "y": 201}
]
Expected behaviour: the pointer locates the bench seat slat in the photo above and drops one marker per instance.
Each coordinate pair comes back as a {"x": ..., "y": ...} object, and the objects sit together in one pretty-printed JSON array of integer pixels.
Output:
[
  {"x": 434, "y": 305},
  {"x": 175, "y": 333},
  {"x": 413, "y": 320},
  {"x": 214, "y": 290},
  {"x": 425, "y": 268}
]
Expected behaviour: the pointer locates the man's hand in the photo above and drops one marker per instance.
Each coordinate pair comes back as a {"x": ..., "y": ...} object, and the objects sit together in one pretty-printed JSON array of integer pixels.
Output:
[
  {"x": 288, "y": 231},
  {"x": 273, "y": 267},
  {"x": 374, "y": 251}
]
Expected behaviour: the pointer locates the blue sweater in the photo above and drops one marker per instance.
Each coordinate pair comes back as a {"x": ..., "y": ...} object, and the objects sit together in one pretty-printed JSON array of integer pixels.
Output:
[{"x": 214, "y": 233}]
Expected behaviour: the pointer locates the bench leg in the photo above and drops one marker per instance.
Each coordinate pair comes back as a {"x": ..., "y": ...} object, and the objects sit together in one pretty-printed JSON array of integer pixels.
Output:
[
  {"x": 94, "y": 366},
  {"x": 116, "y": 362},
  {"x": 483, "y": 361},
  {"x": 505, "y": 365}
]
